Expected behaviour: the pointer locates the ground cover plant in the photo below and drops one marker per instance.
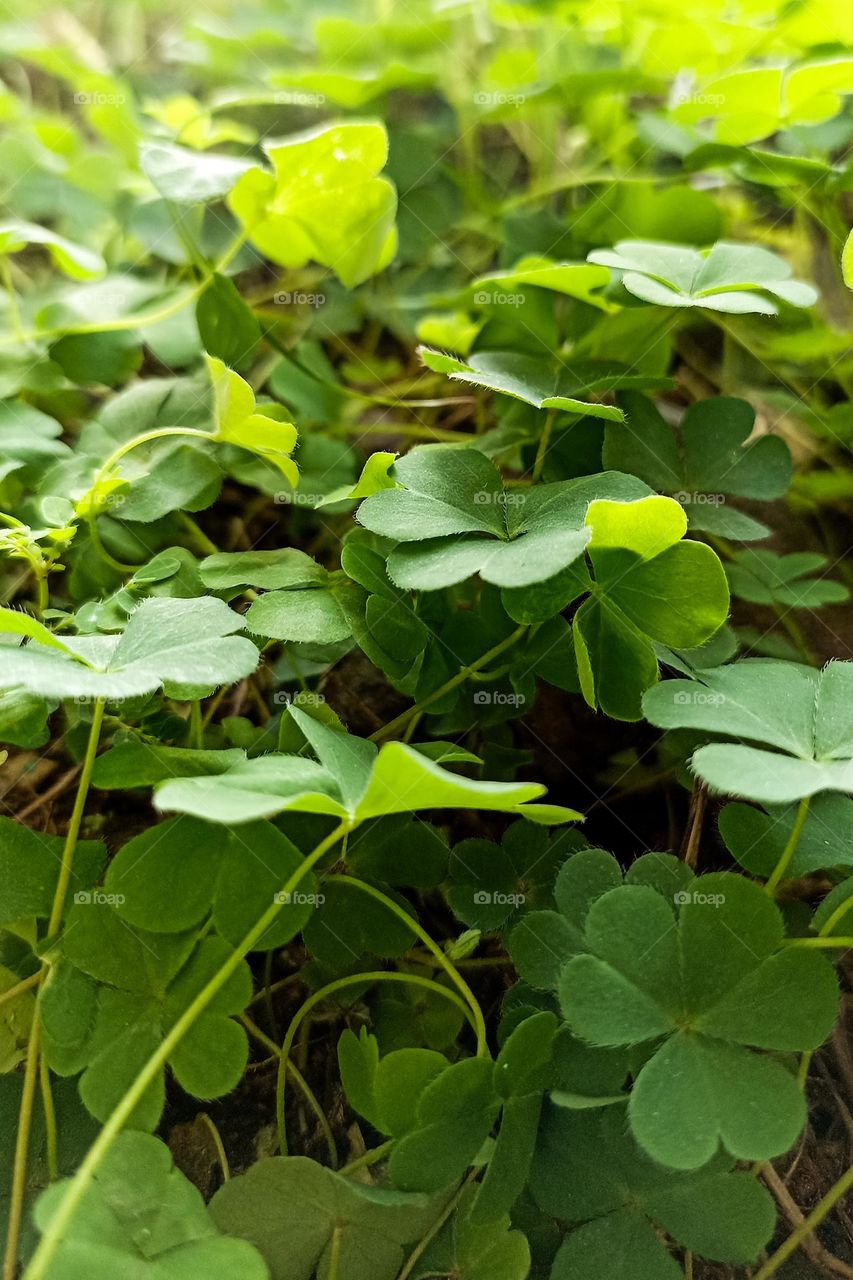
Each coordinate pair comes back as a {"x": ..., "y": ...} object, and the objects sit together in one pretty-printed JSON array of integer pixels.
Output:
[{"x": 426, "y": 699}]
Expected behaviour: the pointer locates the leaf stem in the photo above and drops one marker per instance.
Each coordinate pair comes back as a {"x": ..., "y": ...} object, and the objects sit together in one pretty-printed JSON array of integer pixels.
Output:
[
  {"x": 479, "y": 1022},
  {"x": 77, "y": 812},
  {"x": 807, "y": 1226},
  {"x": 544, "y": 441},
  {"x": 79, "y": 1184},
  {"x": 22, "y": 1146},
  {"x": 790, "y": 848},
  {"x": 373, "y": 1156},
  {"x": 400, "y": 721},
  {"x": 301, "y": 1083},
  {"x": 322, "y": 993}
]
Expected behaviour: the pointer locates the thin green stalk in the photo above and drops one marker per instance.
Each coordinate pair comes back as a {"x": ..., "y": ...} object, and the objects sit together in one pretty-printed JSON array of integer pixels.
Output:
[
  {"x": 544, "y": 441},
  {"x": 79, "y": 1184},
  {"x": 479, "y": 1022},
  {"x": 51, "y": 1142},
  {"x": 141, "y": 320},
  {"x": 216, "y": 1136},
  {"x": 19, "y": 988},
  {"x": 790, "y": 848},
  {"x": 22, "y": 1146},
  {"x": 77, "y": 812},
  {"x": 300, "y": 1082},
  {"x": 32, "y": 1069},
  {"x": 373, "y": 1156},
  {"x": 428, "y": 1237},
  {"x": 334, "y": 1253},
  {"x": 807, "y": 1226},
  {"x": 356, "y": 979},
  {"x": 842, "y": 944},
  {"x": 400, "y": 722}
]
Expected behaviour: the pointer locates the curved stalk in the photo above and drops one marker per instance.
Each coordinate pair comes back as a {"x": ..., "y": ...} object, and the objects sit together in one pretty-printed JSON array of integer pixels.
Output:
[{"x": 79, "y": 1184}]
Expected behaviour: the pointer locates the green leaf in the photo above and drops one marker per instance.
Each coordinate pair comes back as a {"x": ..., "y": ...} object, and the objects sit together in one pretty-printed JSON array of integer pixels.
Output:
[
  {"x": 323, "y": 201},
  {"x": 795, "y": 581},
  {"x": 226, "y": 326},
  {"x": 186, "y": 176},
  {"x": 801, "y": 713},
  {"x": 703, "y": 461},
  {"x": 710, "y": 984},
  {"x": 539, "y": 383},
  {"x": 454, "y": 1115},
  {"x": 511, "y": 537},
  {"x": 290, "y": 1208},
  {"x": 614, "y": 1196},
  {"x": 757, "y": 837},
  {"x": 237, "y": 421},
  {"x": 728, "y": 277},
  {"x": 73, "y": 259},
  {"x": 29, "y": 870},
  {"x": 350, "y": 782},
  {"x": 169, "y": 877},
  {"x": 176, "y": 643},
  {"x": 163, "y": 1227}
]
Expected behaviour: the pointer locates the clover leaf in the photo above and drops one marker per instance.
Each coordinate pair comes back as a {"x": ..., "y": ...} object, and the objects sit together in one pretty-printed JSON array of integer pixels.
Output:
[
  {"x": 649, "y": 586},
  {"x": 795, "y": 581},
  {"x": 167, "y": 879},
  {"x": 800, "y": 716},
  {"x": 299, "y": 1216},
  {"x": 540, "y": 382},
  {"x": 177, "y": 644},
  {"x": 323, "y": 201},
  {"x": 75, "y": 260},
  {"x": 454, "y": 518},
  {"x": 164, "y": 1226},
  {"x": 301, "y": 601},
  {"x": 617, "y": 1201},
  {"x": 116, "y": 992},
  {"x": 753, "y": 103},
  {"x": 491, "y": 883},
  {"x": 701, "y": 462},
  {"x": 727, "y": 277},
  {"x": 580, "y": 280},
  {"x": 351, "y": 780},
  {"x": 757, "y": 837},
  {"x": 237, "y": 421},
  {"x": 702, "y": 992}
]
